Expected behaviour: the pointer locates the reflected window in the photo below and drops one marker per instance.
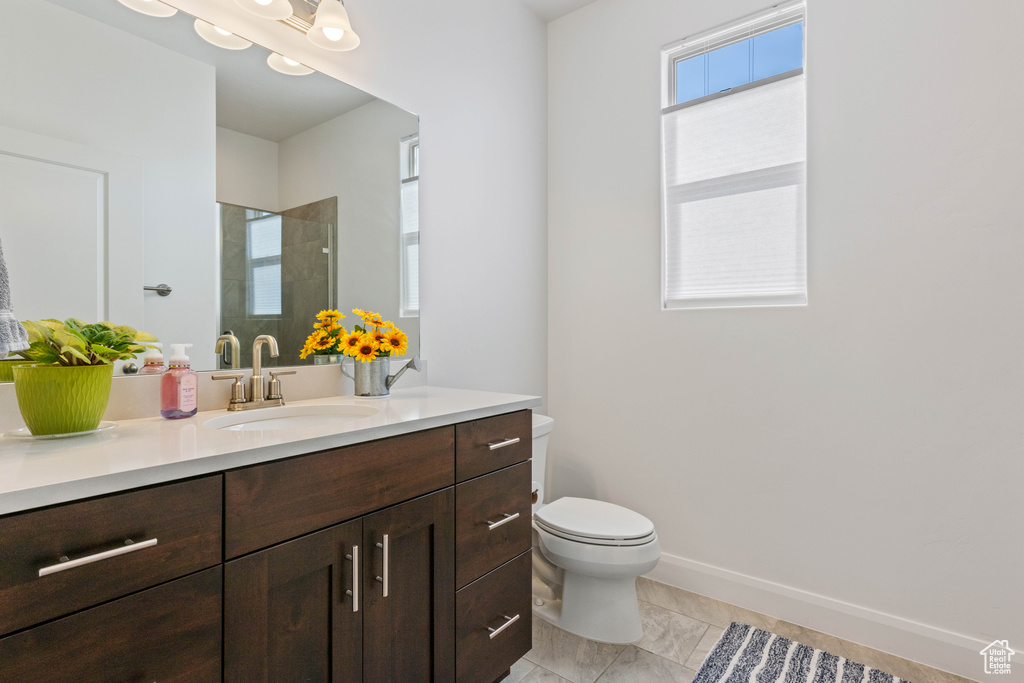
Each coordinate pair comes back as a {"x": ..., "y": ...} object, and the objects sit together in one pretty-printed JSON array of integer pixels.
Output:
[
  {"x": 263, "y": 262},
  {"x": 410, "y": 227}
]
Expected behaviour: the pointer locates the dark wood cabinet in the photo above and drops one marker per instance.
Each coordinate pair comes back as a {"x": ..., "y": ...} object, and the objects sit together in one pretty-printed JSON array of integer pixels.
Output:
[
  {"x": 287, "y": 615},
  {"x": 293, "y": 612},
  {"x": 175, "y": 529},
  {"x": 492, "y": 521},
  {"x": 409, "y": 633},
  {"x": 486, "y": 445},
  {"x": 277, "y": 501},
  {"x": 363, "y": 563},
  {"x": 168, "y": 633},
  {"x": 494, "y": 624}
]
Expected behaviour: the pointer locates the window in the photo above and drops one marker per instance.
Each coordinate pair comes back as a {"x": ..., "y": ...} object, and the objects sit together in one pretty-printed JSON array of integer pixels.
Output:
[
  {"x": 263, "y": 262},
  {"x": 733, "y": 170},
  {"x": 410, "y": 227}
]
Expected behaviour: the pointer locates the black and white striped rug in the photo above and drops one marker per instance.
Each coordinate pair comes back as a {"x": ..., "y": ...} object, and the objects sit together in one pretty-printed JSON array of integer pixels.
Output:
[{"x": 745, "y": 654}]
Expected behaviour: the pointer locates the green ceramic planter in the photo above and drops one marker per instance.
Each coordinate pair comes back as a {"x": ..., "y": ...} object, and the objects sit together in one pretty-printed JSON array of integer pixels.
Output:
[
  {"x": 61, "y": 400},
  {"x": 7, "y": 368}
]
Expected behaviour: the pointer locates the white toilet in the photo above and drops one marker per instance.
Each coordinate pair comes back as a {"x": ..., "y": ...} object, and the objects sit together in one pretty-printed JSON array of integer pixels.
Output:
[{"x": 587, "y": 555}]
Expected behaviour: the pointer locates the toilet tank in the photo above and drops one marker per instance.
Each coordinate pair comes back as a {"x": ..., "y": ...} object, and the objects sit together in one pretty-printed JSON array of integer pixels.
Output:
[{"x": 542, "y": 426}]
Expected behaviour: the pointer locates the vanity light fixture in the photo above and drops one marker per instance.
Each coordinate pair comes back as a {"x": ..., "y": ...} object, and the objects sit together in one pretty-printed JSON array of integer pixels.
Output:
[
  {"x": 215, "y": 35},
  {"x": 153, "y": 8},
  {"x": 268, "y": 9},
  {"x": 331, "y": 28},
  {"x": 284, "y": 65}
]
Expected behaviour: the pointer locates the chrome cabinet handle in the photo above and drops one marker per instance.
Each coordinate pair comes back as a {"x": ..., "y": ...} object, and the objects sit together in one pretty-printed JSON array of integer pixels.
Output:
[
  {"x": 355, "y": 578},
  {"x": 508, "y": 622},
  {"x": 491, "y": 526},
  {"x": 129, "y": 546},
  {"x": 379, "y": 579},
  {"x": 501, "y": 444}
]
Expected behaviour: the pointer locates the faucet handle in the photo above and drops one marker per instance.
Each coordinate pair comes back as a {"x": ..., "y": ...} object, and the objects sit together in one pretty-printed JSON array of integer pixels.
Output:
[
  {"x": 274, "y": 385},
  {"x": 237, "y": 389}
]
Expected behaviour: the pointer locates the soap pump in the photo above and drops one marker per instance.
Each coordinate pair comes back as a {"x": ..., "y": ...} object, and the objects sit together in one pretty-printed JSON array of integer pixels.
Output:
[
  {"x": 179, "y": 389},
  {"x": 153, "y": 360}
]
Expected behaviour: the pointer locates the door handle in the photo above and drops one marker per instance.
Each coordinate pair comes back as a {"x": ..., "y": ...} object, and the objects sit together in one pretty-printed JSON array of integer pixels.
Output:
[
  {"x": 354, "y": 592},
  {"x": 384, "y": 579}
]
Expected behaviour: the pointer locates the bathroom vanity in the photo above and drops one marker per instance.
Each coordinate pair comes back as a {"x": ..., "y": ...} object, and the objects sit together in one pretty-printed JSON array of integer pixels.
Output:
[{"x": 396, "y": 550}]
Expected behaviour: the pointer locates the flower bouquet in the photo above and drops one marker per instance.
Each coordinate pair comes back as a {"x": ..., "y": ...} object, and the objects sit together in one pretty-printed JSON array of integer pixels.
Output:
[{"x": 374, "y": 338}]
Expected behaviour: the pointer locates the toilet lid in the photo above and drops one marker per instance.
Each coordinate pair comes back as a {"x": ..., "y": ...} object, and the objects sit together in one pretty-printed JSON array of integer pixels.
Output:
[{"x": 593, "y": 519}]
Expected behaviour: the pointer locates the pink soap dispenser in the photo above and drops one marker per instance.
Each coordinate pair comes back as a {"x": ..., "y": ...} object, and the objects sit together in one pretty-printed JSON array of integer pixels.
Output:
[
  {"x": 179, "y": 389},
  {"x": 153, "y": 360}
]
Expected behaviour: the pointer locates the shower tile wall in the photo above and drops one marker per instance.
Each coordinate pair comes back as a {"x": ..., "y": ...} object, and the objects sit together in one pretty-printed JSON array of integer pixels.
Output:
[
  {"x": 305, "y": 279},
  {"x": 305, "y": 271}
]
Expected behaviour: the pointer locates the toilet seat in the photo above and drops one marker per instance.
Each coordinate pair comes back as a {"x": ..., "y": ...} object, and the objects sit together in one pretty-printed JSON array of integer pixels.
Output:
[{"x": 594, "y": 522}]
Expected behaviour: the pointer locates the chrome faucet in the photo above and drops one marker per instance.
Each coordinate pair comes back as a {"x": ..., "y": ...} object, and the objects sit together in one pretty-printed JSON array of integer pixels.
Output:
[
  {"x": 256, "y": 398},
  {"x": 256, "y": 381},
  {"x": 232, "y": 342}
]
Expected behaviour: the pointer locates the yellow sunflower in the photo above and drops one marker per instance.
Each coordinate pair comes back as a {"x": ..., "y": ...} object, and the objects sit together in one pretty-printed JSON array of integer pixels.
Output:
[
  {"x": 334, "y": 315},
  {"x": 311, "y": 343},
  {"x": 370, "y": 318},
  {"x": 360, "y": 312},
  {"x": 367, "y": 349},
  {"x": 398, "y": 341},
  {"x": 327, "y": 319},
  {"x": 349, "y": 342}
]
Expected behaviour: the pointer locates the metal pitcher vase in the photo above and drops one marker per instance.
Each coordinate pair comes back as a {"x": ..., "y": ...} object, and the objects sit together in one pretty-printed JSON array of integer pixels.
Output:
[{"x": 372, "y": 379}]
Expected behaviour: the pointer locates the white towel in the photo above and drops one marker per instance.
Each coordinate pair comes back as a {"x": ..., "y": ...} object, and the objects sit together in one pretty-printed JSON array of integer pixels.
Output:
[{"x": 13, "y": 336}]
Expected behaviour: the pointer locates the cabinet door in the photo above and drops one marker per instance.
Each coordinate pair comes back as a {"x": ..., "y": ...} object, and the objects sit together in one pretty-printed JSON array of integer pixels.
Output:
[
  {"x": 409, "y": 625},
  {"x": 289, "y": 614}
]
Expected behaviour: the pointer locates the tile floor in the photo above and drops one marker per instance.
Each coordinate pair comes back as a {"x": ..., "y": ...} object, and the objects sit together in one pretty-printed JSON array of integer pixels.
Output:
[{"x": 680, "y": 628}]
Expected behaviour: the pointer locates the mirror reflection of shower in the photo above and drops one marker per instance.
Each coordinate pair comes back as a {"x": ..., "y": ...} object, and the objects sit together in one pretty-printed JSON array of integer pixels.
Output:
[{"x": 278, "y": 270}]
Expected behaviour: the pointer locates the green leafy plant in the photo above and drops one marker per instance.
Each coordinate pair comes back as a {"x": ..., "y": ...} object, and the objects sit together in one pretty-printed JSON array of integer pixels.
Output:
[{"x": 73, "y": 342}]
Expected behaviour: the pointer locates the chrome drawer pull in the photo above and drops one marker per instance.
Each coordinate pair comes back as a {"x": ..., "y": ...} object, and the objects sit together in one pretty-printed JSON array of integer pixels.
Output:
[
  {"x": 491, "y": 526},
  {"x": 508, "y": 622},
  {"x": 384, "y": 580},
  {"x": 129, "y": 546},
  {"x": 501, "y": 444},
  {"x": 355, "y": 578}
]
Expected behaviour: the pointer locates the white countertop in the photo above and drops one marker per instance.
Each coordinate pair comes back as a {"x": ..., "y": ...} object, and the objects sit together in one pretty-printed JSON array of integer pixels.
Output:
[{"x": 36, "y": 473}]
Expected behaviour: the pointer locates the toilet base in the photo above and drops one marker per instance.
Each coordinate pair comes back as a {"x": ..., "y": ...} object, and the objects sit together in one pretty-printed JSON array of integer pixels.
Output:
[{"x": 603, "y": 610}]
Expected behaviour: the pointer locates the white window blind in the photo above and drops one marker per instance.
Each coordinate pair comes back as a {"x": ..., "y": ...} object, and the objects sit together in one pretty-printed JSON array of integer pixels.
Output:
[
  {"x": 264, "y": 258},
  {"x": 410, "y": 228},
  {"x": 734, "y": 225},
  {"x": 410, "y": 248}
]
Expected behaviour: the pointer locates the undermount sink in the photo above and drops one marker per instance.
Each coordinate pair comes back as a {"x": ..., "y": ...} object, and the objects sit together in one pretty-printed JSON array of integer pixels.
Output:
[{"x": 290, "y": 417}]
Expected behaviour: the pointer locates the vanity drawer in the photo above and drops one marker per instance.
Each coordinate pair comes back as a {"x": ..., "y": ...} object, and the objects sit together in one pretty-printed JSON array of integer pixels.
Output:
[
  {"x": 168, "y": 633},
  {"x": 184, "y": 519},
  {"x": 274, "y": 502},
  {"x": 489, "y": 444},
  {"x": 483, "y": 540},
  {"x": 482, "y": 654}
]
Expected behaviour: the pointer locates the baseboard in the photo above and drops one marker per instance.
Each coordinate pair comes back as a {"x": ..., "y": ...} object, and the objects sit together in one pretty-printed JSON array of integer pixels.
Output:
[{"x": 935, "y": 647}]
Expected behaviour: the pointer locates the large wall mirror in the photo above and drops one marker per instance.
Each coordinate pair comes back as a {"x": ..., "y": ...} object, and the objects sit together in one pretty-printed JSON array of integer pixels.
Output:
[{"x": 134, "y": 154}]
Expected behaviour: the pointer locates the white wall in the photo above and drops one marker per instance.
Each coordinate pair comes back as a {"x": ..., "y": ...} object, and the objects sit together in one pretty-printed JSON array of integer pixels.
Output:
[
  {"x": 247, "y": 170},
  {"x": 355, "y": 157},
  {"x": 112, "y": 101},
  {"x": 474, "y": 72},
  {"x": 854, "y": 465}
]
